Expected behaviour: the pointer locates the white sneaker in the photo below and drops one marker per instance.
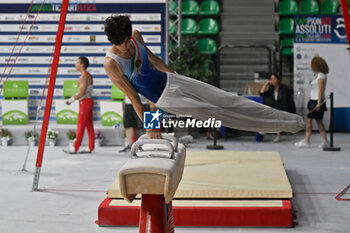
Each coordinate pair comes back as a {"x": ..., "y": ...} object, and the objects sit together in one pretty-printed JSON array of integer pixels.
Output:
[
  {"x": 277, "y": 139},
  {"x": 302, "y": 144},
  {"x": 324, "y": 144},
  {"x": 69, "y": 150}
]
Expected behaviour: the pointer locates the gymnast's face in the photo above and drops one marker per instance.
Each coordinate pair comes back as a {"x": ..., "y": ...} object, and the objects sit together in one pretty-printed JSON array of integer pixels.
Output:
[
  {"x": 124, "y": 46},
  {"x": 78, "y": 65}
]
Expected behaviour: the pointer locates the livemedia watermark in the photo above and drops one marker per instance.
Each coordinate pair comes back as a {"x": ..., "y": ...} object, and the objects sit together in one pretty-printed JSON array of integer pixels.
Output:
[{"x": 156, "y": 120}]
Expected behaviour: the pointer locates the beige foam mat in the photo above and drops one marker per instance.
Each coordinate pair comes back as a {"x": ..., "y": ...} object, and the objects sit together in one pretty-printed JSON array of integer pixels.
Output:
[
  {"x": 230, "y": 174},
  {"x": 208, "y": 203}
]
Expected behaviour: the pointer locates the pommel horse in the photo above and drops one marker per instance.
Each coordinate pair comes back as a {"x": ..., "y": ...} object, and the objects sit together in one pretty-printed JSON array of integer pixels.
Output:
[{"x": 155, "y": 171}]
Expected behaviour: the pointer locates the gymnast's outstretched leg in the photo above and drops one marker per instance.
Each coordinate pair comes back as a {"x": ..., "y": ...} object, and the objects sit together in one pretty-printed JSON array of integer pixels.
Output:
[{"x": 184, "y": 95}]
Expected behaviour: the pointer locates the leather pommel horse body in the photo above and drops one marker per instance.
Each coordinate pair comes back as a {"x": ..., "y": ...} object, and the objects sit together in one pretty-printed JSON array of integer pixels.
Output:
[{"x": 155, "y": 171}]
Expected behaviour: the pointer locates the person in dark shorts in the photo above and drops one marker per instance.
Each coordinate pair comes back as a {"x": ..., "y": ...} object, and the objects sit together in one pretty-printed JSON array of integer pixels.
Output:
[
  {"x": 131, "y": 122},
  {"x": 317, "y": 103}
]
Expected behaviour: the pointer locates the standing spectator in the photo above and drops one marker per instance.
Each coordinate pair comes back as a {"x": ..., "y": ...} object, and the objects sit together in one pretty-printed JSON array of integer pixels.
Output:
[
  {"x": 317, "y": 103},
  {"x": 131, "y": 122},
  {"x": 277, "y": 95}
]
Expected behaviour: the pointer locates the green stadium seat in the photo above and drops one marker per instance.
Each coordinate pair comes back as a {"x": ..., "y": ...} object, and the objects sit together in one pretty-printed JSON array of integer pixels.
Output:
[
  {"x": 209, "y": 7},
  {"x": 207, "y": 46},
  {"x": 286, "y": 26},
  {"x": 190, "y": 8},
  {"x": 188, "y": 27},
  {"x": 309, "y": 7},
  {"x": 287, "y": 42},
  {"x": 173, "y": 8},
  {"x": 208, "y": 27},
  {"x": 329, "y": 7},
  {"x": 288, "y": 7},
  {"x": 172, "y": 27}
]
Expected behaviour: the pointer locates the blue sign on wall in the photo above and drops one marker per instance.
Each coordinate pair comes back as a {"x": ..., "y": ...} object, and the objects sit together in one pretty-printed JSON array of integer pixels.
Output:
[{"x": 319, "y": 29}]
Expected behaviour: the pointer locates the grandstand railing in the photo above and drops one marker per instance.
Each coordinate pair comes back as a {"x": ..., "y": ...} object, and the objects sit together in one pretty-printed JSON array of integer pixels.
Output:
[{"x": 232, "y": 46}]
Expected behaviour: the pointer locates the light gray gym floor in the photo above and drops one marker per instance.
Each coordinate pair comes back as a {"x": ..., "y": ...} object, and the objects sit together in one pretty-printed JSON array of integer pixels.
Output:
[{"x": 316, "y": 177}]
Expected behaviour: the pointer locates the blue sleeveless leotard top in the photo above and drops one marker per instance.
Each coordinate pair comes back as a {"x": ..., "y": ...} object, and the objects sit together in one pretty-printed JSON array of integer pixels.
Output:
[{"x": 148, "y": 81}]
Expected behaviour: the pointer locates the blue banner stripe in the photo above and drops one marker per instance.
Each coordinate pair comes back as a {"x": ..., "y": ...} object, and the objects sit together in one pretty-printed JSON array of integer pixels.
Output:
[
  {"x": 97, "y": 8},
  {"x": 50, "y": 43},
  {"x": 68, "y": 33},
  {"x": 67, "y": 76},
  {"x": 61, "y": 86},
  {"x": 71, "y": 22},
  {"x": 63, "y": 54},
  {"x": 66, "y": 44},
  {"x": 23, "y": 53},
  {"x": 61, "y": 97},
  {"x": 46, "y": 65}
]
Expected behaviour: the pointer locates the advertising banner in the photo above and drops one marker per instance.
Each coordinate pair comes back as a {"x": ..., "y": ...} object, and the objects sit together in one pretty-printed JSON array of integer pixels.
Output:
[
  {"x": 34, "y": 39},
  {"x": 83, "y": 36},
  {"x": 70, "y": 87},
  {"x": 66, "y": 114},
  {"x": 111, "y": 113},
  {"x": 325, "y": 36},
  {"x": 14, "y": 112},
  {"x": 64, "y": 60},
  {"x": 16, "y": 89},
  {"x": 72, "y": 28},
  {"x": 77, "y": 17},
  {"x": 319, "y": 29},
  {"x": 96, "y": 49}
]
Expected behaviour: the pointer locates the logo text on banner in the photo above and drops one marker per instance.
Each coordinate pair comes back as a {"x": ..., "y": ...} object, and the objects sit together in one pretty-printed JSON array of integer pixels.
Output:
[{"x": 319, "y": 29}]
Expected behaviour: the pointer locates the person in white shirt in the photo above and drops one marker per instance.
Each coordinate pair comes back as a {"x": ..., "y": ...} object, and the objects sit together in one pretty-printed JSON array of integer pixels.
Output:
[{"x": 317, "y": 103}]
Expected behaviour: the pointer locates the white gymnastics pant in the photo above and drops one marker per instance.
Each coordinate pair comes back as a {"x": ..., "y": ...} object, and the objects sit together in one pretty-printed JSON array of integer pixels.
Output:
[{"x": 187, "y": 96}]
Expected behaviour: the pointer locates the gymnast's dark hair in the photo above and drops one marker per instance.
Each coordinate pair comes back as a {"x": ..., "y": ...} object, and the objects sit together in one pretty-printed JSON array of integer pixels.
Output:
[
  {"x": 117, "y": 28},
  {"x": 84, "y": 61}
]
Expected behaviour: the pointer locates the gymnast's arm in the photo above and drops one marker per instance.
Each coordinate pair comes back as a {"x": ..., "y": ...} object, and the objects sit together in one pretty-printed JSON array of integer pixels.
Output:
[
  {"x": 155, "y": 60},
  {"x": 264, "y": 89},
  {"x": 116, "y": 75},
  {"x": 153, "y": 133},
  {"x": 83, "y": 83},
  {"x": 321, "y": 87}
]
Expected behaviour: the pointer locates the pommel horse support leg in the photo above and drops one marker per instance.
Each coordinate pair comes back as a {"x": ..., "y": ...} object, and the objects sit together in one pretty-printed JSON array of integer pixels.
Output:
[{"x": 155, "y": 171}]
